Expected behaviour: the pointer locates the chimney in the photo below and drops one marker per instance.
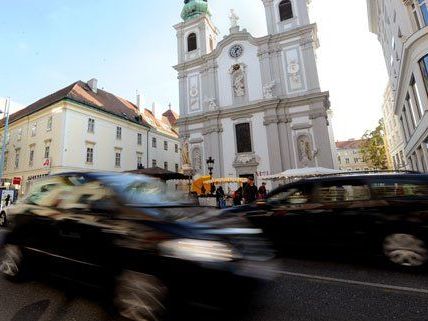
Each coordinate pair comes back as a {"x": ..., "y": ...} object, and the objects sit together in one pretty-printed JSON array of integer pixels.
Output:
[
  {"x": 154, "y": 108},
  {"x": 138, "y": 100},
  {"x": 93, "y": 85}
]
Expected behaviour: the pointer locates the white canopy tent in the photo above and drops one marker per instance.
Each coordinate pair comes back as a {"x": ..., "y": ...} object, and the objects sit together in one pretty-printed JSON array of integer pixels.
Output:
[{"x": 301, "y": 172}]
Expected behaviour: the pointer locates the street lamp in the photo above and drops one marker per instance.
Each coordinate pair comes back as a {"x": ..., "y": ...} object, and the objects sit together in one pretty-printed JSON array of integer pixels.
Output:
[
  {"x": 210, "y": 163},
  {"x": 5, "y": 134}
]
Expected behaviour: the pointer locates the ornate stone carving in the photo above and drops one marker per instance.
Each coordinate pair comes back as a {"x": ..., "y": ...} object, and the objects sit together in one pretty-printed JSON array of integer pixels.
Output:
[
  {"x": 233, "y": 19},
  {"x": 293, "y": 69},
  {"x": 238, "y": 80},
  {"x": 268, "y": 89},
  {"x": 243, "y": 160},
  {"x": 197, "y": 160},
  {"x": 185, "y": 159},
  {"x": 211, "y": 104},
  {"x": 305, "y": 152}
]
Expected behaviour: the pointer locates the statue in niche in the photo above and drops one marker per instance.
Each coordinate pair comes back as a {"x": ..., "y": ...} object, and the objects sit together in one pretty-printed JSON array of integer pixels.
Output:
[
  {"x": 238, "y": 81},
  {"x": 306, "y": 154},
  {"x": 197, "y": 160},
  {"x": 293, "y": 69},
  {"x": 185, "y": 159}
]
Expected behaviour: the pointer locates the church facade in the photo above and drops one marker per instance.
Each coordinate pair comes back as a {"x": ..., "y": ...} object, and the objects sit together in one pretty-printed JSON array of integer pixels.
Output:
[{"x": 254, "y": 105}]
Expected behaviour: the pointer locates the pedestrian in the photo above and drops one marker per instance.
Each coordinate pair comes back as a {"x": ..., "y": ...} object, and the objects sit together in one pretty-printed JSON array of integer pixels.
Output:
[
  {"x": 250, "y": 191},
  {"x": 7, "y": 200},
  {"x": 219, "y": 195},
  {"x": 263, "y": 191},
  {"x": 237, "y": 197}
]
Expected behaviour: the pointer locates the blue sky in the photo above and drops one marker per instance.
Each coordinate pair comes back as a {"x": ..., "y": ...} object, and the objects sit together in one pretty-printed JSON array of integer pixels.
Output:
[{"x": 130, "y": 45}]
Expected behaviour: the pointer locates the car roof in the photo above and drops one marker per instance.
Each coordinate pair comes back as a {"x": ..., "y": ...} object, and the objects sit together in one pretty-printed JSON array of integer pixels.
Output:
[{"x": 355, "y": 176}]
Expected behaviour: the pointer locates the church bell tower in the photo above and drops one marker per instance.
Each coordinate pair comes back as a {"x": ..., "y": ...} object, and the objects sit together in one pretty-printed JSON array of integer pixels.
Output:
[{"x": 196, "y": 34}]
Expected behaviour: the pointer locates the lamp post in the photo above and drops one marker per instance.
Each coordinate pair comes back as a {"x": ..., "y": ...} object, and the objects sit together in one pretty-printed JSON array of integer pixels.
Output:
[
  {"x": 5, "y": 134},
  {"x": 210, "y": 163}
]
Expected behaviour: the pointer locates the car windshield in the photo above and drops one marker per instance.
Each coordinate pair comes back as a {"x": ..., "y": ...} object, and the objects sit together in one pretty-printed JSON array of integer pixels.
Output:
[{"x": 137, "y": 189}]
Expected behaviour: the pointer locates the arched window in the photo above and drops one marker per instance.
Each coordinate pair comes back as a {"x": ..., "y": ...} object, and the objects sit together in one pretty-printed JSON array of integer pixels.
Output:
[
  {"x": 192, "y": 43},
  {"x": 285, "y": 10}
]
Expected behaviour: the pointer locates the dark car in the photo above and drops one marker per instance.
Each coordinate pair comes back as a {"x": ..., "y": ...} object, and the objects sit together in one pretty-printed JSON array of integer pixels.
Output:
[
  {"x": 126, "y": 234},
  {"x": 377, "y": 213}
]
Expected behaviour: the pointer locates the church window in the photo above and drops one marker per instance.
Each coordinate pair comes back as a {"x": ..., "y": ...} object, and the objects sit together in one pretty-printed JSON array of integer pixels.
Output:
[
  {"x": 285, "y": 10},
  {"x": 192, "y": 43},
  {"x": 243, "y": 138}
]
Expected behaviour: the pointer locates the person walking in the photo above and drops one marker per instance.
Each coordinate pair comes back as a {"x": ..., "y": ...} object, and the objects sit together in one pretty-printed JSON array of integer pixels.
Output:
[
  {"x": 263, "y": 191},
  {"x": 250, "y": 191},
  {"x": 7, "y": 200},
  {"x": 219, "y": 194},
  {"x": 237, "y": 197}
]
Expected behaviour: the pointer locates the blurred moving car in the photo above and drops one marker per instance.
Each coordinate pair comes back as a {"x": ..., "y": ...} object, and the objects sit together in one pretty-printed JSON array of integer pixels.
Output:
[
  {"x": 126, "y": 234},
  {"x": 377, "y": 213}
]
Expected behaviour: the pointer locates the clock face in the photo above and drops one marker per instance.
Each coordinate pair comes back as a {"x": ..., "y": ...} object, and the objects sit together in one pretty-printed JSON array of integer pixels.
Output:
[{"x": 236, "y": 51}]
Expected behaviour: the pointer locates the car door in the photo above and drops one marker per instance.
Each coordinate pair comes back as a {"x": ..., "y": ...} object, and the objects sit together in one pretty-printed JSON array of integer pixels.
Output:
[
  {"x": 88, "y": 216},
  {"x": 288, "y": 219},
  {"x": 345, "y": 210}
]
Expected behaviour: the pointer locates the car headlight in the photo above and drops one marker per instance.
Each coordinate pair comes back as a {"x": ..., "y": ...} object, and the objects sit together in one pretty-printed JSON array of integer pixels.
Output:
[{"x": 197, "y": 250}]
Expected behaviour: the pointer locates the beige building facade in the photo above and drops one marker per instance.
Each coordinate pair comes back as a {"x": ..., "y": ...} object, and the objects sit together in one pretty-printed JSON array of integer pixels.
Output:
[
  {"x": 349, "y": 156},
  {"x": 83, "y": 128},
  {"x": 402, "y": 30}
]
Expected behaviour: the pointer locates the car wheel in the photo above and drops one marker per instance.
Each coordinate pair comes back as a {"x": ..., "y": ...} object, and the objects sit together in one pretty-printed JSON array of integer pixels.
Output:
[
  {"x": 3, "y": 220},
  {"x": 11, "y": 263},
  {"x": 140, "y": 297},
  {"x": 406, "y": 250}
]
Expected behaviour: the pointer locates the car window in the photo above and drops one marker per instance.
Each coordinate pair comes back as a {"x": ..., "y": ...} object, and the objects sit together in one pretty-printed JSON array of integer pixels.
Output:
[
  {"x": 391, "y": 188},
  {"x": 292, "y": 195},
  {"x": 47, "y": 191},
  {"x": 343, "y": 192}
]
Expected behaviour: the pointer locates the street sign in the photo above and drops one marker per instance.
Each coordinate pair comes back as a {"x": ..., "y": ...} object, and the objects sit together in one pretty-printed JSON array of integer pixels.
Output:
[{"x": 16, "y": 181}]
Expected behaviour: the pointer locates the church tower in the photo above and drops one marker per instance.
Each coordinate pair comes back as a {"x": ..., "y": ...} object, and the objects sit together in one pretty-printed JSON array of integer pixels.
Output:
[
  {"x": 284, "y": 15},
  {"x": 196, "y": 35}
]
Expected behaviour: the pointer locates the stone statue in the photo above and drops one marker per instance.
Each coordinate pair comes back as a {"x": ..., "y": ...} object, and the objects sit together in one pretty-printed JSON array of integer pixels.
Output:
[
  {"x": 185, "y": 158},
  {"x": 238, "y": 80},
  {"x": 211, "y": 103},
  {"x": 268, "y": 90},
  {"x": 306, "y": 154},
  {"x": 197, "y": 160},
  {"x": 233, "y": 19}
]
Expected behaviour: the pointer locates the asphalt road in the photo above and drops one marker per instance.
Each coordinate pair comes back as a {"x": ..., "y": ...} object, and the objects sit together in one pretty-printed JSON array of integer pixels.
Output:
[{"x": 308, "y": 289}]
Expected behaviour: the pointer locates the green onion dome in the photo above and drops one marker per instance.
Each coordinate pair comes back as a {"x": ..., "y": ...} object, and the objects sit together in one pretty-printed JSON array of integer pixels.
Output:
[{"x": 194, "y": 8}]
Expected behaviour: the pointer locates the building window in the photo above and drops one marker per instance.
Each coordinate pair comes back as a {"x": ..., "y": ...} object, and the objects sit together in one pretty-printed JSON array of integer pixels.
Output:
[
  {"x": 417, "y": 96},
  {"x": 420, "y": 13},
  {"x": 176, "y": 148},
  {"x": 165, "y": 145},
  {"x": 192, "y": 42},
  {"x": 154, "y": 142},
  {"x": 19, "y": 135},
  {"x": 413, "y": 109},
  {"x": 165, "y": 165},
  {"x": 139, "y": 161},
  {"x": 176, "y": 168},
  {"x": 6, "y": 157},
  {"x": 91, "y": 125},
  {"x": 49, "y": 124},
  {"x": 356, "y": 160},
  {"x": 423, "y": 63},
  {"x": 119, "y": 133},
  {"x": 285, "y": 10},
  {"x": 17, "y": 156},
  {"x": 31, "y": 157},
  {"x": 339, "y": 159},
  {"x": 347, "y": 160},
  {"x": 140, "y": 139},
  {"x": 243, "y": 138},
  {"x": 154, "y": 163},
  {"x": 34, "y": 130},
  {"x": 47, "y": 151},
  {"x": 89, "y": 155},
  {"x": 117, "y": 159}
]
